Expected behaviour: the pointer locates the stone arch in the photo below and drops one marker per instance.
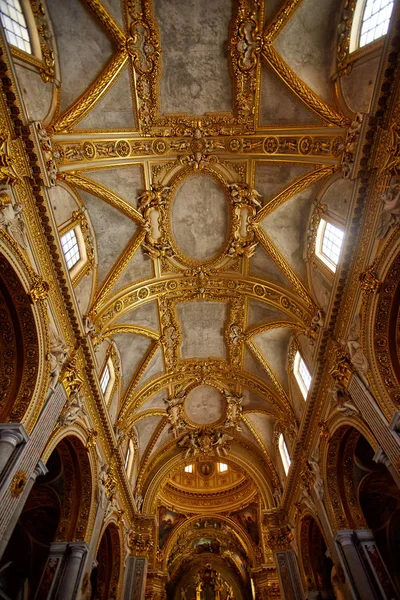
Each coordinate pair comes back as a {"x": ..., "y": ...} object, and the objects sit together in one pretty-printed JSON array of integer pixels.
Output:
[
  {"x": 237, "y": 457},
  {"x": 317, "y": 567},
  {"x": 342, "y": 503},
  {"x": 23, "y": 340},
  {"x": 78, "y": 435},
  {"x": 241, "y": 535},
  {"x": 105, "y": 577}
]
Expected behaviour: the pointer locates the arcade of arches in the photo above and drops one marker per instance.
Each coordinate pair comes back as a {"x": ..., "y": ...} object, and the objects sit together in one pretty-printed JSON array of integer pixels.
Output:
[{"x": 199, "y": 299}]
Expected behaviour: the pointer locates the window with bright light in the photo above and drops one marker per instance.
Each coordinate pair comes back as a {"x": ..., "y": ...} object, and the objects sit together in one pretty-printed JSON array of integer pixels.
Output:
[
  {"x": 222, "y": 467},
  {"x": 105, "y": 379},
  {"x": 302, "y": 374},
  {"x": 329, "y": 243},
  {"x": 375, "y": 20},
  {"x": 284, "y": 453},
  {"x": 70, "y": 247},
  {"x": 14, "y": 23},
  {"x": 127, "y": 457},
  {"x": 189, "y": 469}
]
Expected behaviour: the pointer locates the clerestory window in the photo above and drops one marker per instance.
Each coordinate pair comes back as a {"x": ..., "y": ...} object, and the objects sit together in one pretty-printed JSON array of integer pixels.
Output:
[
  {"x": 375, "y": 20},
  {"x": 70, "y": 247},
  {"x": 284, "y": 453},
  {"x": 105, "y": 379},
  {"x": 14, "y": 23},
  {"x": 302, "y": 374},
  {"x": 329, "y": 243}
]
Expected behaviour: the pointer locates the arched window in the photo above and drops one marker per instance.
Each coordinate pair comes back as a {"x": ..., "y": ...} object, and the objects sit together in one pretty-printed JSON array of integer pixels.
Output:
[
  {"x": 14, "y": 23},
  {"x": 329, "y": 243},
  {"x": 371, "y": 22},
  {"x": 302, "y": 374},
  {"x": 284, "y": 453}
]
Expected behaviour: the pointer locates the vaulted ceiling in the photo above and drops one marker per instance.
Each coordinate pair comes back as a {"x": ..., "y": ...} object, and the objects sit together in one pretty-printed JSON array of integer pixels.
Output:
[{"x": 198, "y": 137}]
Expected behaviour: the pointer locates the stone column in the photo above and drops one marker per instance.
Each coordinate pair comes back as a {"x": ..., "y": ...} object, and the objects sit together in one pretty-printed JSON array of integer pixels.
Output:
[
  {"x": 20, "y": 490},
  {"x": 21, "y": 472},
  {"x": 385, "y": 434},
  {"x": 63, "y": 572},
  {"x": 135, "y": 578},
  {"x": 12, "y": 436},
  {"x": 364, "y": 563}
]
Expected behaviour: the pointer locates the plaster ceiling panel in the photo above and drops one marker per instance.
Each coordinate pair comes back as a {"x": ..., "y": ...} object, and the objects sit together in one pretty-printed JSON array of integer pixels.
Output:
[
  {"x": 264, "y": 425},
  {"x": 308, "y": 42},
  {"x": 126, "y": 181},
  {"x": 271, "y": 178},
  {"x": 37, "y": 94},
  {"x": 156, "y": 401},
  {"x": 165, "y": 437},
  {"x": 194, "y": 81},
  {"x": 83, "y": 292},
  {"x": 155, "y": 368},
  {"x": 62, "y": 202},
  {"x": 145, "y": 315},
  {"x": 140, "y": 267},
  {"x": 145, "y": 430},
  {"x": 202, "y": 326},
  {"x": 253, "y": 400},
  {"x": 278, "y": 106},
  {"x": 246, "y": 433},
  {"x": 271, "y": 8},
  {"x": 338, "y": 196},
  {"x": 259, "y": 313},
  {"x": 115, "y": 110},
  {"x": 205, "y": 405},
  {"x": 76, "y": 27},
  {"x": 287, "y": 227},
  {"x": 253, "y": 366},
  {"x": 107, "y": 221},
  {"x": 132, "y": 349},
  {"x": 200, "y": 218},
  {"x": 262, "y": 265},
  {"x": 274, "y": 345}
]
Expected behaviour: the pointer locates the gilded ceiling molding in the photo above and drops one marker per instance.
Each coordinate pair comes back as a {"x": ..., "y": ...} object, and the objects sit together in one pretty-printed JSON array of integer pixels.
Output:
[
  {"x": 107, "y": 22},
  {"x": 299, "y": 88},
  {"x": 285, "y": 267},
  {"x": 92, "y": 187},
  {"x": 344, "y": 62},
  {"x": 117, "y": 269},
  {"x": 128, "y": 328},
  {"x": 311, "y": 145},
  {"x": 300, "y": 184},
  {"x": 217, "y": 286},
  {"x": 271, "y": 374},
  {"x": 264, "y": 450},
  {"x": 204, "y": 371},
  {"x": 94, "y": 93},
  {"x": 257, "y": 329},
  {"x": 152, "y": 412},
  {"x": 281, "y": 19},
  {"x": 234, "y": 331}
]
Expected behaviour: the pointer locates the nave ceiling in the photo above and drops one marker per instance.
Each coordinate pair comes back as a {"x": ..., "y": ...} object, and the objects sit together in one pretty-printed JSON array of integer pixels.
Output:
[
  {"x": 198, "y": 141},
  {"x": 197, "y": 145}
]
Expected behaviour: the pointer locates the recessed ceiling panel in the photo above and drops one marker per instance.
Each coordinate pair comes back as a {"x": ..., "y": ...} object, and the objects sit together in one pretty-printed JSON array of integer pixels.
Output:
[
  {"x": 200, "y": 218},
  {"x": 194, "y": 61},
  {"x": 205, "y": 405},
  {"x": 202, "y": 325}
]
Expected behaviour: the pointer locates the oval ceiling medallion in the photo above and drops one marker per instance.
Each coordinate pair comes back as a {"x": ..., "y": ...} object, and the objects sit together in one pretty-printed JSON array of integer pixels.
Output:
[
  {"x": 200, "y": 219},
  {"x": 205, "y": 405}
]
